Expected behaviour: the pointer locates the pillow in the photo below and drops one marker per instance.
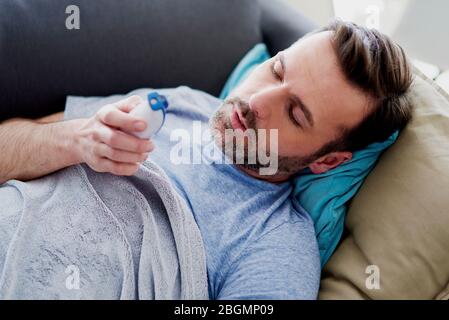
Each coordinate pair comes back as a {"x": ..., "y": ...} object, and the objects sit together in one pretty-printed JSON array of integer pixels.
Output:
[
  {"x": 398, "y": 224},
  {"x": 324, "y": 196}
]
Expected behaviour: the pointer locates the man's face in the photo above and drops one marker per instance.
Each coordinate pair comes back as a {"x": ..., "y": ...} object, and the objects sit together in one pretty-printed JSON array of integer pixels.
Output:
[{"x": 303, "y": 94}]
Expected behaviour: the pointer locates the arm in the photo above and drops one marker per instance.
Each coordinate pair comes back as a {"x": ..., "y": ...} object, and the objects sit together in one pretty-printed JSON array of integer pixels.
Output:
[
  {"x": 33, "y": 148},
  {"x": 27, "y": 147},
  {"x": 51, "y": 118}
]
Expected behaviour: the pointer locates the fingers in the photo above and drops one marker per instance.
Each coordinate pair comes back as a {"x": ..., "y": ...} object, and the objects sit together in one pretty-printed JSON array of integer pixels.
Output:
[
  {"x": 117, "y": 139},
  {"x": 105, "y": 144},
  {"x": 126, "y": 105},
  {"x": 117, "y": 168},
  {"x": 105, "y": 151},
  {"x": 117, "y": 116}
]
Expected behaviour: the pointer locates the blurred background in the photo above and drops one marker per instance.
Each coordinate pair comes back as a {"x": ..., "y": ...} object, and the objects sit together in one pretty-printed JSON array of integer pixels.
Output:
[{"x": 420, "y": 27}]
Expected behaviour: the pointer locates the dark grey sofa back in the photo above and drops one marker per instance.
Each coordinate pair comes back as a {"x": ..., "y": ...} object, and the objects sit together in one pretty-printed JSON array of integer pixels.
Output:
[{"x": 124, "y": 45}]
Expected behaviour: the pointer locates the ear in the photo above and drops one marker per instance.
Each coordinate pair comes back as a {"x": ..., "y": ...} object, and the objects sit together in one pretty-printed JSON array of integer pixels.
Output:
[{"x": 329, "y": 161}]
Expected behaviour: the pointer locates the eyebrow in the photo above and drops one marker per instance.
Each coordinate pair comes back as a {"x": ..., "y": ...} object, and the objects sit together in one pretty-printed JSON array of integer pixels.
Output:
[{"x": 295, "y": 98}]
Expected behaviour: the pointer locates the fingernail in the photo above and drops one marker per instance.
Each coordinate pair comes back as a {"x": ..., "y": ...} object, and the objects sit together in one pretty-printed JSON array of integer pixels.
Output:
[{"x": 139, "y": 125}]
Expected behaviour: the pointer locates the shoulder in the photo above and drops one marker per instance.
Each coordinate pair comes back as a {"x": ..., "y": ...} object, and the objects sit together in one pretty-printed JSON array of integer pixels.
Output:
[
  {"x": 290, "y": 228},
  {"x": 282, "y": 264},
  {"x": 294, "y": 236},
  {"x": 198, "y": 104},
  {"x": 291, "y": 223}
]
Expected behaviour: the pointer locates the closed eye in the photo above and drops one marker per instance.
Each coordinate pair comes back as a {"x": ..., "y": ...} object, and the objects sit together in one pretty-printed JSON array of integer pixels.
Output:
[
  {"x": 290, "y": 104},
  {"x": 273, "y": 71},
  {"x": 292, "y": 116}
]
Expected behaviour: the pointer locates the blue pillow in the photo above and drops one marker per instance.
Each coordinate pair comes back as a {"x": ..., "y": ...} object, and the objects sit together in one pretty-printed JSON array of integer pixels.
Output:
[{"x": 324, "y": 196}]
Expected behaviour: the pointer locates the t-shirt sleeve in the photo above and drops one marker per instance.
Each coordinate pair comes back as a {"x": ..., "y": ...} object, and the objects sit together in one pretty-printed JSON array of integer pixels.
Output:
[{"x": 283, "y": 264}]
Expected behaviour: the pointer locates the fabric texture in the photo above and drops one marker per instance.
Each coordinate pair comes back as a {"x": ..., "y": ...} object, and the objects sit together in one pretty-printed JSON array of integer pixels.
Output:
[
  {"x": 397, "y": 225},
  {"x": 324, "y": 196},
  {"x": 259, "y": 242},
  {"x": 79, "y": 234}
]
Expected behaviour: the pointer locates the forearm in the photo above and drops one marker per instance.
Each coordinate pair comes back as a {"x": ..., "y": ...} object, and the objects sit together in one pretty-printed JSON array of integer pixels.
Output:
[
  {"x": 30, "y": 150},
  {"x": 33, "y": 148}
]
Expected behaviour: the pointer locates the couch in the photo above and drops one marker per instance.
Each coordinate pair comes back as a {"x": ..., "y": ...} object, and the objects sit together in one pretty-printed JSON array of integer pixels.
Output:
[{"x": 395, "y": 244}]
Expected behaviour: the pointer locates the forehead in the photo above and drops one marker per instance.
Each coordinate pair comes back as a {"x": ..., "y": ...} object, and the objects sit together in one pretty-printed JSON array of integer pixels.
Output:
[{"x": 314, "y": 74}]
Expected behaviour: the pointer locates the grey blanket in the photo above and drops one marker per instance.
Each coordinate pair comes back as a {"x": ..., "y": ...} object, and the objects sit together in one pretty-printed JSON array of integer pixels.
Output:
[{"x": 79, "y": 234}]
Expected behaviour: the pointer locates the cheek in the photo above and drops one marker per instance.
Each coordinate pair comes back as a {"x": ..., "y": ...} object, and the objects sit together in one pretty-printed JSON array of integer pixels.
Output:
[{"x": 296, "y": 144}]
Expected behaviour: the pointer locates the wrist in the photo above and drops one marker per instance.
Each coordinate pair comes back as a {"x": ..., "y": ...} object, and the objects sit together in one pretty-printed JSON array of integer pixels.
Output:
[{"x": 71, "y": 141}]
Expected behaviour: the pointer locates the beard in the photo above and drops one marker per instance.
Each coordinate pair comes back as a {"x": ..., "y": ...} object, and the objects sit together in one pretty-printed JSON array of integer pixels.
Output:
[
  {"x": 243, "y": 148},
  {"x": 236, "y": 144}
]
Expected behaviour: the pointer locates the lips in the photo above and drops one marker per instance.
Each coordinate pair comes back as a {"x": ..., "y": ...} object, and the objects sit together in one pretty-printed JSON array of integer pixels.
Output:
[{"x": 236, "y": 120}]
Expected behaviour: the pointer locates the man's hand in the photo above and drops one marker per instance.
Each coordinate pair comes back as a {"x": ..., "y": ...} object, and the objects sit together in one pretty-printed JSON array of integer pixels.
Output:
[{"x": 102, "y": 143}]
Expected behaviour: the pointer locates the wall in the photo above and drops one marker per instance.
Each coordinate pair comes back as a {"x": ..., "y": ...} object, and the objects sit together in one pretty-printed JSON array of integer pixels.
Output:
[
  {"x": 420, "y": 26},
  {"x": 320, "y": 11}
]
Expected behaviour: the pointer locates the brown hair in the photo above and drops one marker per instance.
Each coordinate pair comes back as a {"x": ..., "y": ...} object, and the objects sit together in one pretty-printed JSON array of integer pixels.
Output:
[{"x": 379, "y": 67}]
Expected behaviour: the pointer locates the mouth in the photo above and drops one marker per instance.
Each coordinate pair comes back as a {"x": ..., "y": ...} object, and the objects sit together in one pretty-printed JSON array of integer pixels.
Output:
[{"x": 237, "y": 120}]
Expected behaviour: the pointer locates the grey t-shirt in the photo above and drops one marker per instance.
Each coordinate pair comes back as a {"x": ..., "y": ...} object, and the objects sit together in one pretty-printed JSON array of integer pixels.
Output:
[{"x": 260, "y": 243}]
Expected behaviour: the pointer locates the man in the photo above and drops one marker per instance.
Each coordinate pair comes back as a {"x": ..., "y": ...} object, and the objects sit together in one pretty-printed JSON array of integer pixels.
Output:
[{"x": 331, "y": 93}]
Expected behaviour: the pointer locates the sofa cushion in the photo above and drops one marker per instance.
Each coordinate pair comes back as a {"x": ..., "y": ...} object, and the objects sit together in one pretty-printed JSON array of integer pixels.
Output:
[
  {"x": 120, "y": 46},
  {"x": 397, "y": 239}
]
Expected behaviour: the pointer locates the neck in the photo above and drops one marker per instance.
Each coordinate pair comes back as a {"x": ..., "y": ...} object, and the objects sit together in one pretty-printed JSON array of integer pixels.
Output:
[{"x": 278, "y": 178}]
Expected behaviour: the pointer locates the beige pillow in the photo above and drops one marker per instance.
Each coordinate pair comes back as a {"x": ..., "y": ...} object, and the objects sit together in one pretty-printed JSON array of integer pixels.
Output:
[{"x": 397, "y": 242}]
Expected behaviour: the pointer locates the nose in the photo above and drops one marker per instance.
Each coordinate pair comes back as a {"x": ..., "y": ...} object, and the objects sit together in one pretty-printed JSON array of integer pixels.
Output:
[{"x": 264, "y": 102}]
